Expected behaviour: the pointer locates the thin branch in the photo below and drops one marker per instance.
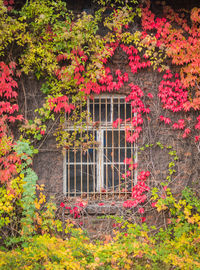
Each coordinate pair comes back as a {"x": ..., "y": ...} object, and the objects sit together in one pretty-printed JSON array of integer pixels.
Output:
[
  {"x": 25, "y": 100},
  {"x": 48, "y": 132}
]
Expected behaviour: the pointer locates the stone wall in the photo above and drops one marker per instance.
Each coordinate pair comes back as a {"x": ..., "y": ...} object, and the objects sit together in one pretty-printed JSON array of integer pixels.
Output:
[{"x": 48, "y": 164}]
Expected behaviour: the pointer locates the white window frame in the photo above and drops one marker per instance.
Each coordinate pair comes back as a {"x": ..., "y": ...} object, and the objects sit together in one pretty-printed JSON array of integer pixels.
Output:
[{"x": 104, "y": 126}]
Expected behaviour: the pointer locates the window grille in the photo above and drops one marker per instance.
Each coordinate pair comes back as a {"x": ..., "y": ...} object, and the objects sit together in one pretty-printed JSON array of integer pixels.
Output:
[{"x": 97, "y": 170}]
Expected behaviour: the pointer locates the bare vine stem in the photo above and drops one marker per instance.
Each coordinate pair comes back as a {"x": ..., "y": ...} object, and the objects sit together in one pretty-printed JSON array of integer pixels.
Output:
[
  {"x": 25, "y": 100},
  {"x": 48, "y": 132}
]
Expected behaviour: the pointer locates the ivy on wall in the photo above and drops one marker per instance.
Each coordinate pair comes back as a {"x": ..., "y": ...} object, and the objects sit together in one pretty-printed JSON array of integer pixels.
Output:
[{"x": 71, "y": 56}]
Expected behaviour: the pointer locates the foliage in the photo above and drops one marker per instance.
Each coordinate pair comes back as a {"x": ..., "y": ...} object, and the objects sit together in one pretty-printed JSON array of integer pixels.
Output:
[
  {"x": 29, "y": 187},
  {"x": 133, "y": 246},
  {"x": 181, "y": 238},
  {"x": 70, "y": 55},
  {"x": 10, "y": 209}
]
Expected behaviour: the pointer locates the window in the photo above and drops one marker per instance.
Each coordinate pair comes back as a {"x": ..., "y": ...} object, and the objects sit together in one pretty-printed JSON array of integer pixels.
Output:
[{"x": 98, "y": 169}]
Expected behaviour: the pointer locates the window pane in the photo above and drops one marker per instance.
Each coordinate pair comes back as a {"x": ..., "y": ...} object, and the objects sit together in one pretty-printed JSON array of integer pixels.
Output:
[
  {"x": 108, "y": 157},
  {"x": 121, "y": 110},
  {"x": 112, "y": 171},
  {"x": 116, "y": 170},
  {"x": 74, "y": 175},
  {"x": 114, "y": 137},
  {"x": 89, "y": 155},
  {"x": 100, "y": 110},
  {"x": 125, "y": 153}
]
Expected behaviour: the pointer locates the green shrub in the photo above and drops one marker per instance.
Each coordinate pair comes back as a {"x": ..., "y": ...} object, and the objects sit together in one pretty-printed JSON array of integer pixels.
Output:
[{"x": 133, "y": 246}]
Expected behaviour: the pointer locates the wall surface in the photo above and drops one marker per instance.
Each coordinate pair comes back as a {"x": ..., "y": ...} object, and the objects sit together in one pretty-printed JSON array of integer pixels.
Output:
[{"x": 48, "y": 164}]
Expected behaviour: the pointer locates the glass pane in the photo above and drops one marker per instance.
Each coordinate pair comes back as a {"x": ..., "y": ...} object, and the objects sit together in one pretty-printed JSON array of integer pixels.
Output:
[
  {"x": 125, "y": 154},
  {"x": 108, "y": 157},
  {"x": 74, "y": 174},
  {"x": 110, "y": 172},
  {"x": 99, "y": 109},
  {"x": 112, "y": 155},
  {"x": 87, "y": 156},
  {"x": 115, "y": 170},
  {"x": 114, "y": 137},
  {"x": 118, "y": 171},
  {"x": 119, "y": 110}
]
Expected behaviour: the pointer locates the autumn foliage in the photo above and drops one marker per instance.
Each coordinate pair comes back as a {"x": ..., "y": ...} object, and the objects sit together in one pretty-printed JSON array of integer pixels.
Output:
[
  {"x": 73, "y": 61},
  {"x": 8, "y": 114}
]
